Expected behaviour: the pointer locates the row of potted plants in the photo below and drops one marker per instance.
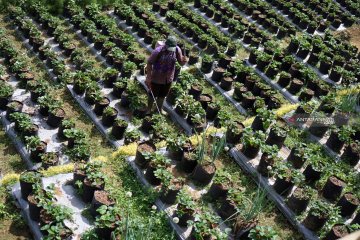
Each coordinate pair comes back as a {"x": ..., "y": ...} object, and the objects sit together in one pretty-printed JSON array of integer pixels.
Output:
[
  {"x": 47, "y": 107},
  {"x": 249, "y": 33},
  {"x": 197, "y": 164},
  {"x": 331, "y": 56},
  {"x": 249, "y": 88},
  {"x": 83, "y": 83},
  {"x": 312, "y": 16},
  {"x": 351, "y": 5},
  {"x": 286, "y": 176},
  {"x": 298, "y": 79},
  {"x": 194, "y": 27},
  {"x": 269, "y": 20},
  {"x": 43, "y": 207}
]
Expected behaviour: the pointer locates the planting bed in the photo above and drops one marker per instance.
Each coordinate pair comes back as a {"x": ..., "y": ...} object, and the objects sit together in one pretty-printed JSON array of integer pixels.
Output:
[{"x": 300, "y": 141}]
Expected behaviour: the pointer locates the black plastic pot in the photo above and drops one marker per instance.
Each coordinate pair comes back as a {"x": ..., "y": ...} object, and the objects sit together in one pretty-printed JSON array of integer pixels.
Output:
[
  {"x": 296, "y": 203},
  {"x": 150, "y": 176},
  {"x": 333, "y": 188},
  {"x": 348, "y": 204},
  {"x": 101, "y": 105},
  {"x": 55, "y": 117},
  {"x": 89, "y": 190},
  {"x": 282, "y": 186},
  {"x": 313, "y": 222},
  {"x": 143, "y": 147},
  {"x": 187, "y": 163},
  {"x": 203, "y": 174}
]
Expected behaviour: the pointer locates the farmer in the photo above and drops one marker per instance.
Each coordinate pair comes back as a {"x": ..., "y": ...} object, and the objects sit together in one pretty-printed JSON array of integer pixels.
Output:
[{"x": 161, "y": 70}]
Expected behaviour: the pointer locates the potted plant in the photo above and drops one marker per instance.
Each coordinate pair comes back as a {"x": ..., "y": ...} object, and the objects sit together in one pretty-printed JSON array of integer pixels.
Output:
[
  {"x": 141, "y": 151},
  {"x": 119, "y": 128},
  {"x": 248, "y": 213},
  {"x": 131, "y": 136},
  {"x": 277, "y": 135},
  {"x": 286, "y": 178},
  {"x": 205, "y": 169},
  {"x": 234, "y": 132},
  {"x": 268, "y": 159},
  {"x": 205, "y": 226},
  {"x": 206, "y": 64},
  {"x": 93, "y": 181},
  {"x": 185, "y": 208},
  {"x": 73, "y": 135},
  {"x": 28, "y": 179},
  {"x": 110, "y": 77},
  {"x": 339, "y": 137},
  {"x": 38, "y": 198},
  {"x": 156, "y": 161},
  {"x": 333, "y": 188},
  {"x": 49, "y": 159},
  {"x": 262, "y": 120},
  {"x": 348, "y": 204},
  {"x": 251, "y": 142},
  {"x": 128, "y": 69},
  {"x": 119, "y": 87},
  {"x": 351, "y": 153},
  {"x": 36, "y": 147},
  {"x": 56, "y": 115},
  {"x": 108, "y": 220},
  {"x": 300, "y": 198},
  {"x": 298, "y": 155},
  {"x": 108, "y": 116},
  {"x": 101, "y": 198},
  {"x": 12, "y": 107},
  {"x": 65, "y": 124},
  {"x": 317, "y": 215},
  {"x": 263, "y": 233},
  {"x": 6, "y": 91},
  {"x": 170, "y": 185},
  {"x": 175, "y": 145}
]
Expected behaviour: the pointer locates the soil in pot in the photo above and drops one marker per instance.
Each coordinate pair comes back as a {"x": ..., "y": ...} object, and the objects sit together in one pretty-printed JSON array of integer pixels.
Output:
[
  {"x": 283, "y": 186},
  {"x": 226, "y": 83},
  {"x": 265, "y": 162},
  {"x": 351, "y": 154},
  {"x": 50, "y": 159},
  {"x": 12, "y": 107},
  {"x": 100, "y": 198},
  {"x": 334, "y": 143},
  {"x": 227, "y": 209},
  {"x": 150, "y": 176},
  {"x": 298, "y": 201},
  {"x": 333, "y": 188},
  {"x": 204, "y": 100},
  {"x": 144, "y": 147},
  {"x": 35, "y": 154},
  {"x": 203, "y": 174},
  {"x": 348, "y": 204},
  {"x": 89, "y": 190},
  {"x": 55, "y": 117},
  {"x": 337, "y": 231},
  {"x": 188, "y": 162},
  {"x": 101, "y": 105},
  {"x": 311, "y": 174},
  {"x": 34, "y": 209}
]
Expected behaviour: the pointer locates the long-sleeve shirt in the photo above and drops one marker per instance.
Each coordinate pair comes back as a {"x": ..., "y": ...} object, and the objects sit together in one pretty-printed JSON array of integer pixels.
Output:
[{"x": 162, "y": 64}]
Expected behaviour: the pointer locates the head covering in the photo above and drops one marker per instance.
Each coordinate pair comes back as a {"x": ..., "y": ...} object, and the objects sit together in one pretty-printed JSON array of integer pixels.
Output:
[{"x": 171, "y": 43}]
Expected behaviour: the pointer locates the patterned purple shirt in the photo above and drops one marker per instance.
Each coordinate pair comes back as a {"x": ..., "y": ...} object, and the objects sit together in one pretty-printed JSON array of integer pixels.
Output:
[{"x": 163, "y": 64}]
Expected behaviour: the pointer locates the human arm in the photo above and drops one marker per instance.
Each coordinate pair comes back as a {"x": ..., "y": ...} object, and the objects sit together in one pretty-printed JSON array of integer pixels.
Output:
[
  {"x": 149, "y": 65},
  {"x": 182, "y": 60}
]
